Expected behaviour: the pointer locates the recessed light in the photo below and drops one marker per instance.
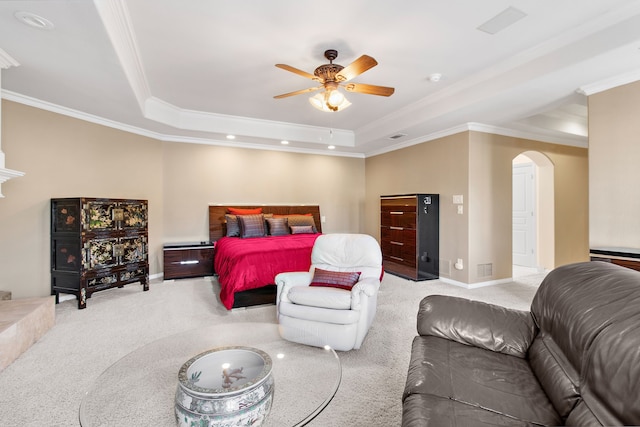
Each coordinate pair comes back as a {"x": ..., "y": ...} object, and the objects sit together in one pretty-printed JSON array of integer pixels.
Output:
[
  {"x": 231, "y": 137},
  {"x": 331, "y": 147},
  {"x": 33, "y": 20},
  {"x": 284, "y": 142}
]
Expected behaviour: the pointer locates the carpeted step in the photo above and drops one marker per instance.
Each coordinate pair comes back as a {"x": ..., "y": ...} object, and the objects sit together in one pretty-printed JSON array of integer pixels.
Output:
[{"x": 22, "y": 323}]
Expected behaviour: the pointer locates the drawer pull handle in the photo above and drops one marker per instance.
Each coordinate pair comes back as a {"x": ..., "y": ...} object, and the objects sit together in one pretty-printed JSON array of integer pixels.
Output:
[
  {"x": 396, "y": 228},
  {"x": 397, "y": 243},
  {"x": 189, "y": 262},
  {"x": 397, "y": 258},
  {"x": 396, "y": 213}
]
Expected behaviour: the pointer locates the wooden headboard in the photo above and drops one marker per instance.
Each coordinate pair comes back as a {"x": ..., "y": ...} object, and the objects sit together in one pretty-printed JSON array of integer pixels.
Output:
[{"x": 217, "y": 225}]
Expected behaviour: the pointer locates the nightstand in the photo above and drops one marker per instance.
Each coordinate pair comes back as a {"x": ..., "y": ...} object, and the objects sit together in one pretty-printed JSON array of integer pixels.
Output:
[{"x": 191, "y": 259}]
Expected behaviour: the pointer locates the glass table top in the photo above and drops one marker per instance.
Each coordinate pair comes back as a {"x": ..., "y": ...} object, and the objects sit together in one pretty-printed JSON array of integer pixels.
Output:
[{"x": 139, "y": 389}]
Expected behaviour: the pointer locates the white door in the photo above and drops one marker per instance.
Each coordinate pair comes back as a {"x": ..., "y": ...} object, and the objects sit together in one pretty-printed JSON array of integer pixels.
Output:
[{"x": 524, "y": 215}]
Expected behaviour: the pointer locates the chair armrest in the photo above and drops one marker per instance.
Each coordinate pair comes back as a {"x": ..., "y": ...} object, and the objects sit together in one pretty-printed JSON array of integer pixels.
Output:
[
  {"x": 368, "y": 286},
  {"x": 286, "y": 281},
  {"x": 476, "y": 323}
]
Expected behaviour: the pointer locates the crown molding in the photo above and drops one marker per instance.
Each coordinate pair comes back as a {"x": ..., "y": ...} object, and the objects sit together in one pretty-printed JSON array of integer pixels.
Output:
[
  {"x": 610, "y": 83},
  {"x": 117, "y": 22},
  {"x": 164, "y": 112},
  {"x": 480, "y": 127},
  {"x": 580, "y": 142},
  {"x": 7, "y": 174},
  {"x": 6, "y": 60},
  {"x": 47, "y": 106},
  {"x": 419, "y": 140}
]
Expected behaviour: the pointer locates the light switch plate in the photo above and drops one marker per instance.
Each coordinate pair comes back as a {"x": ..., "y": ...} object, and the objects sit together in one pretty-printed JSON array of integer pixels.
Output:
[{"x": 457, "y": 199}]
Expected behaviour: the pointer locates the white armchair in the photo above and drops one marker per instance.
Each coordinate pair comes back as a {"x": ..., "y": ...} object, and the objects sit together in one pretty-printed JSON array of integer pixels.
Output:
[{"x": 318, "y": 315}]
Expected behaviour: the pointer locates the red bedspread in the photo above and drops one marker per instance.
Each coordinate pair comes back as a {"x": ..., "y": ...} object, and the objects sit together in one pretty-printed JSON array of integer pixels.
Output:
[{"x": 243, "y": 264}]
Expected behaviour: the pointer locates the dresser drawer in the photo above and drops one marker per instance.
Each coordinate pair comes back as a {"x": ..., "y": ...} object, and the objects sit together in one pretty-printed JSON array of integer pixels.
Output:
[
  {"x": 399, "y": 252},
  {"x": 398, "y": 219},
  {"x": 399, "y": 234},
  {"x": 182, "y": 262},
  {"x": 398, "y": 208}
]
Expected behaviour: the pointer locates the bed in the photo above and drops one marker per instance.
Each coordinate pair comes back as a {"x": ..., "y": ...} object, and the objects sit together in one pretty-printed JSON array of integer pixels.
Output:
[{"x": 246, "y": 266}]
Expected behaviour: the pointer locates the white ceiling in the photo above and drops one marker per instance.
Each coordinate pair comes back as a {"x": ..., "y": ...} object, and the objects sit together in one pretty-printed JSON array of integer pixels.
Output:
[{"x": 197, "y": 70}]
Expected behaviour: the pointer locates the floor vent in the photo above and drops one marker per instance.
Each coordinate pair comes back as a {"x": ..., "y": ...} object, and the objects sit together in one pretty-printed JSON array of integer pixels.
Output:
[{"x": 485, "y": 270}]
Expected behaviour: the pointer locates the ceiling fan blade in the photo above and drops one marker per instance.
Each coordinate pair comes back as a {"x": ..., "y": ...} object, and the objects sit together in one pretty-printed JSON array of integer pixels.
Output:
[
  {"x": 356, "y": 68},
  {"x": 298, "y": 92},
  {"x": 297, "y": 71},
  {"x": 369, "y": 89}
]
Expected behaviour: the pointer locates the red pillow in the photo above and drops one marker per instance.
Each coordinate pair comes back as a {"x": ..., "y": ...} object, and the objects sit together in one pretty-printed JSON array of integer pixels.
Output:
[
  {"x": 240, "y": 211},
  {"x": 335, "y": 279}
]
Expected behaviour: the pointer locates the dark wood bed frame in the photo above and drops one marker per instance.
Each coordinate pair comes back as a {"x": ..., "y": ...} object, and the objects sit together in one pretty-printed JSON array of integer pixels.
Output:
[{"x": 218, "y": 229}]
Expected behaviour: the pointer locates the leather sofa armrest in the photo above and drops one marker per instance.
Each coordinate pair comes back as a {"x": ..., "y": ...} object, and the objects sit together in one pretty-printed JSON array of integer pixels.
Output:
[{"x": 478, "y": 324}]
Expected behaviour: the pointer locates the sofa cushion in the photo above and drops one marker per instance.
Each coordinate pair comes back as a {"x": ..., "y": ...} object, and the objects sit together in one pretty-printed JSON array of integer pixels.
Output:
[
  {"x": 488, "y": 326},
  {"x": 420, "y": 410},
  {"x": 483, "y": 378},
  {"x": 338, "y": 299},
  {"x": 319, "y": 314}
]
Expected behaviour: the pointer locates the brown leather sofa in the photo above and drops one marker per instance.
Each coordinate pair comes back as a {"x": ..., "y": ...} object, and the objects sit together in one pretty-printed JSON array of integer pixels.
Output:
[{"x": 574, "y": 359}]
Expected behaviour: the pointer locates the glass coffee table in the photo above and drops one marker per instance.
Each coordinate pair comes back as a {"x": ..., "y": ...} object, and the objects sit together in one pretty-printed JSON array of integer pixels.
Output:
[{"x": 140, "y": 388}]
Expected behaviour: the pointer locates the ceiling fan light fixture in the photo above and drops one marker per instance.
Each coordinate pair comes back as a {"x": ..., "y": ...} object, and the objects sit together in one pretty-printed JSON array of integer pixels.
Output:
[
  {"x": 334, "y": 98},
  {"x": 330, "y": 100}
]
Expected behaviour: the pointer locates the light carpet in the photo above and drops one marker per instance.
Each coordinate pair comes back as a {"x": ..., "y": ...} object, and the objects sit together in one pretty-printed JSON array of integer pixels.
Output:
[{"x": 45, "y": 385}]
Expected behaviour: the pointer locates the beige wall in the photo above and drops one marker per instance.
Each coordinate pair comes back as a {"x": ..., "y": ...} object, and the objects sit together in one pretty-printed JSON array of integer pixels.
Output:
[
  {"x": 479, "y": 166},
  {"x": 614, "y": 155},
  {"x": 67, "y": 157},
  {"x": 490, "y": 208},
  {"x": 198, "y": 175},
  {"x": 440, "y": 166}
]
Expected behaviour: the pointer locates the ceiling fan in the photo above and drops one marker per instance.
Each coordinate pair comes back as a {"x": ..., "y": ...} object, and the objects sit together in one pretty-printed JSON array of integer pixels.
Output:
[{"x": 332, "y": 76}]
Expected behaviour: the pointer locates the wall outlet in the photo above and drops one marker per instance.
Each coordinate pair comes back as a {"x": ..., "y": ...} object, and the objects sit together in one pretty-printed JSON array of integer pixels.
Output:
[{"x": 460, "y": 209}]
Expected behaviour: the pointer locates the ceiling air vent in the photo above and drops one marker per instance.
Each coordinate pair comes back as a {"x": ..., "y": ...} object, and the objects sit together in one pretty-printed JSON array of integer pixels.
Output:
[{"x": 397, "y": 136}]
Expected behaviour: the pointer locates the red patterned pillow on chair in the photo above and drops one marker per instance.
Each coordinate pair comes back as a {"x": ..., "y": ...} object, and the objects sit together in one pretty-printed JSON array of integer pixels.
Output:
[{"x": 335, "y": 279}]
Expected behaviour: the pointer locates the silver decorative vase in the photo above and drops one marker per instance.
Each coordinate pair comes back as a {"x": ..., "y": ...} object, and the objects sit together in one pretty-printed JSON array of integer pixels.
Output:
[{"x": 224, "y": 387}]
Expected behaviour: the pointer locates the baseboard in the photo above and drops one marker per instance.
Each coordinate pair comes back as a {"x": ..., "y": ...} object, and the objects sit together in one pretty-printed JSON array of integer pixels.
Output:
[{"x": 475, "y": 285}]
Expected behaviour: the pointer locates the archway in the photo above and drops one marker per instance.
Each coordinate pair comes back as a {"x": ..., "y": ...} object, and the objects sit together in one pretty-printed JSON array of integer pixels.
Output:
[{"x": 533, "y": 225}]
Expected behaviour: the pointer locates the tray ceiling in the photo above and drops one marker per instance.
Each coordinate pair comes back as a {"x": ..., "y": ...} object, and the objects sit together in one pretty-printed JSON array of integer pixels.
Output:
[{"x": 197, "y": 71}]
